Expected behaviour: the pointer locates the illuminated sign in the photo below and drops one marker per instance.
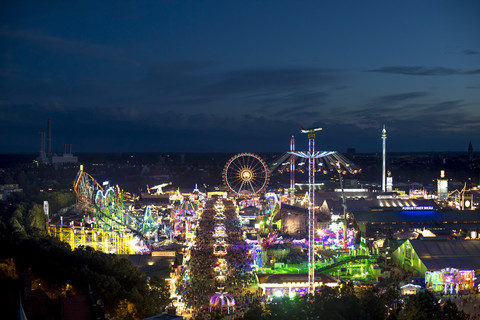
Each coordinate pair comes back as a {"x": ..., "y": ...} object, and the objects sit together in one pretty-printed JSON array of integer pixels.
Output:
[
  {"x": 45, "y": 207},
  {"x": 163, "y": 253},
  {"x": 418, "y": 208},
  {"x": 386, "y": 196}
]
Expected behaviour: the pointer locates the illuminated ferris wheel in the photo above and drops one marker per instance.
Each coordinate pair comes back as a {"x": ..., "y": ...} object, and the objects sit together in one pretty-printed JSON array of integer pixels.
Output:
[{"x": 246, "y": 174}]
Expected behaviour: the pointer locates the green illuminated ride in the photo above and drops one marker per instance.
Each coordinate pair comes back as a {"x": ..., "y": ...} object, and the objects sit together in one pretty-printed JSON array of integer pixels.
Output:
[{"x": 109, "y": 209}]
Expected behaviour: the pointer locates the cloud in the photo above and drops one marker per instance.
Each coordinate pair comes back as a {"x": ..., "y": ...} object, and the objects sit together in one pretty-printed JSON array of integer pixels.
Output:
[
  {"x": 112, "y": 129},
  {"x": 178, "y": 67},
  {"x": 58, "y": 45},
  {"x": 301, "y": 102},
  {"x": 261, "y": 79},
  {"x": 379, "y": 109},
  {"x": 398, "y": 98},
  {"x": 471, "y": 52},
  {"x": 408, "y": 111},
  {"x": 453, "y": 106},
  {"x": 187, "y": 85},
  {"x": 424, "y": 71},
  {"x": 268, "y": 91}
]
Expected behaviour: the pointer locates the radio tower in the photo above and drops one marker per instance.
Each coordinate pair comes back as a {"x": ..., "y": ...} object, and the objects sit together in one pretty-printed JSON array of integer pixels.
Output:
[
  {"x": 384, "y": 138},
  {"x": 292, "y": 172}
]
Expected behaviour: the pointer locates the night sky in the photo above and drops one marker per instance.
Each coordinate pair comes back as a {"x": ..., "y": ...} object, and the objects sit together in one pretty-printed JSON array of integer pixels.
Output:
[{"x": 235, "y": 76}]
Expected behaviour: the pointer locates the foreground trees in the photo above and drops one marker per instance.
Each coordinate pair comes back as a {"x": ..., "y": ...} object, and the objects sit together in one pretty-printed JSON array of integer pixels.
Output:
[
  {"x": 346, "y": 304},
  {"x": 25, "y": 247}
]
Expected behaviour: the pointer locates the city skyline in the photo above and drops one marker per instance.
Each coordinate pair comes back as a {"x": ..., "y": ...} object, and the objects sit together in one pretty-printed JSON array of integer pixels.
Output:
[{"x": 173, "y": 76}]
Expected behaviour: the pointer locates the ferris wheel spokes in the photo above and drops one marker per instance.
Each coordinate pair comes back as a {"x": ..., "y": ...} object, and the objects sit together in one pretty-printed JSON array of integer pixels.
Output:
[{"x": 246, "y": 173}]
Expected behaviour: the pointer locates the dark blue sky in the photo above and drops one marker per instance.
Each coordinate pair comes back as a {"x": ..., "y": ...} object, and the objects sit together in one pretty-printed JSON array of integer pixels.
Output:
[{"x": 164, "y": 76}]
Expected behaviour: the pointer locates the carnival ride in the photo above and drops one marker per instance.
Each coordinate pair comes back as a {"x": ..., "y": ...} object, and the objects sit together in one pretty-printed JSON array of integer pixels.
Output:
[
  {"x": 317, "y": 161},
  {"x": 246, "y": 174},
  {"x": 85, "y": 187},
  {"x": 109, "y": 208},
  {"x": 324, "y": 162},
  {"x": 222, "y": 301},
  {"x": 273, "y": 207},
  {"x": 158, "y": 188}
]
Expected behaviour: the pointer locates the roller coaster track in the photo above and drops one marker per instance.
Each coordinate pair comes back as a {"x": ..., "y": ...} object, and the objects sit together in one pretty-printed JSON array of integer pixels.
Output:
[
  {"x": 339, "y": 263},
  {"x": 108, "y": 207},
  {"x": 86, "y": 187}
]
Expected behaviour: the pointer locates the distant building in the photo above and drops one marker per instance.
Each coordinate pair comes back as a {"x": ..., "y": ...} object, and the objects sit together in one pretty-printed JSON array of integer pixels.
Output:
[
  {"x": 64, "y": 158},
  {"x": 46, "y": 156},
  {"x": 7, "y": 189},
  {"x": 442, "y": 189},
  {"x": 371, "y": 223}
]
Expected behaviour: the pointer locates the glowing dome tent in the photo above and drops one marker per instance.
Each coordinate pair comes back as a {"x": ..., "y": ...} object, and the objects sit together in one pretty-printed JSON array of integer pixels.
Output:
[{"x": 223, "y": 302}]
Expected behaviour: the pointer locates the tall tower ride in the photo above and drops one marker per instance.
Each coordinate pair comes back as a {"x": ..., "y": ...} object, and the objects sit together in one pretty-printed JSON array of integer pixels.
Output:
[
  {"x": 311, "y": 155},
  {"x": 292, "y": 172},
  {"x": 384, "y": 156}
]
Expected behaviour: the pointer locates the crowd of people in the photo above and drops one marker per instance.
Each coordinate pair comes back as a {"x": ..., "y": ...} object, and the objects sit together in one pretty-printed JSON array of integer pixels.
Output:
[{"x": 219, "y": 262}]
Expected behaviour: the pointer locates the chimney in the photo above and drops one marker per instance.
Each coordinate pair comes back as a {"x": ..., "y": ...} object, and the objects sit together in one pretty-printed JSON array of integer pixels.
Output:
[
  {"x": 42, "y": 143},
  {"x": 49, "y": 139}
]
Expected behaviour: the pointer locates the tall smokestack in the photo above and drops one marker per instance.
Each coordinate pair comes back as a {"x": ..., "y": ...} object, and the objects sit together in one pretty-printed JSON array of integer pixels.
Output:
[
  {"x": 70, "y": 148},
  {"x": 49, "y": 139},
  {"x": 42, "y": 143}
]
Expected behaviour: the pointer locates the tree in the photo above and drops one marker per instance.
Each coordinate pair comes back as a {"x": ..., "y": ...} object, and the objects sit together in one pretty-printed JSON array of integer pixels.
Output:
[
  {"x": 126, "y": 311},
  {"x": 422, "y": 306},
  {"x": 373, "y": 306},
  {"x": 286, "y": 308},
  {"x": 254, "y": 312},
  {"x": 391, "y": 299},
  {"x": 451, "y": 312},
  {"x": 35, "y": 221},
  {"x": 157, "y": 297}
]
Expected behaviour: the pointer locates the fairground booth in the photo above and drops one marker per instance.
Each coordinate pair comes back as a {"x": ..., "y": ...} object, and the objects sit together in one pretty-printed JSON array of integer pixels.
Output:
[
  {"x": 449, "y": 266},
  {"x": 291, "y": 284}
]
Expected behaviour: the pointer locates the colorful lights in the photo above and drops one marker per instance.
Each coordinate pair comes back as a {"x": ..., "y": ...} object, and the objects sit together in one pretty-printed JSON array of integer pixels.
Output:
[{"x": 449, "y": 280}]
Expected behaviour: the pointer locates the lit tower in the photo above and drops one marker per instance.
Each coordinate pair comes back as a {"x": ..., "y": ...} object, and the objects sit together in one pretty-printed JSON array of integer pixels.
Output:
[
  {"x": 384, "y": 143},
  {"x": 311, "y": 156},
  {"x": 292, "y": 171}
]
